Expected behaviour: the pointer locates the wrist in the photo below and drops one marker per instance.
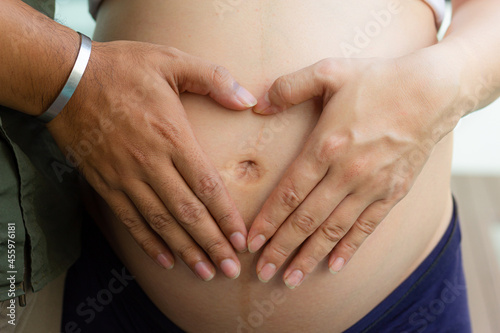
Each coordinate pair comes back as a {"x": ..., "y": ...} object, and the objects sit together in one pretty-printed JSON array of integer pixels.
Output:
[
  {"x": 72, "y": 82},
  {"x": 463, "y": 77},
  {"x": 86, "y": 94},
  {"x": 57, "y": 67},
  {"x": 435, "y": 82}
]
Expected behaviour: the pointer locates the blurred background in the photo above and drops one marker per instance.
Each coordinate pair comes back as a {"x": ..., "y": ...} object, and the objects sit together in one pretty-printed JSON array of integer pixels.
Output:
[{"x": 475, "y": 183}]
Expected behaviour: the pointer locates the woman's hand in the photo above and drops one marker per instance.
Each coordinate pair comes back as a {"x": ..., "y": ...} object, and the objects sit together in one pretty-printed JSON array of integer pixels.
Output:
[
  {"x": 379, "y": 124},
  {"x": 127, "y": 132}
]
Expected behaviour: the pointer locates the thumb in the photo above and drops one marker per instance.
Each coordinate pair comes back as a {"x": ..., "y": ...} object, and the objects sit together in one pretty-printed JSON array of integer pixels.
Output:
[
  {"x": 318, "y": 80},
  {"x": 199, "y": 76}
]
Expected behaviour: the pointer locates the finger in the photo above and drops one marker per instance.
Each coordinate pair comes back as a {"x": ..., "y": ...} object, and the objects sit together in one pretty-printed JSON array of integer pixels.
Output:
[
  {"x": 321, "y": 243},
  {"x": 299, "y": 180},
  {"x": 364, "y": 226},
  {"x": 148, "y": 240},
  {"x": 305, "y": 220},
  {"x": 189, "y": 213},
  {"x": 202, "y": 77},
  {"x": 204, "y": 180},
  {"x": 163, "y": 223},
  {"x": 319, "y": 80}
]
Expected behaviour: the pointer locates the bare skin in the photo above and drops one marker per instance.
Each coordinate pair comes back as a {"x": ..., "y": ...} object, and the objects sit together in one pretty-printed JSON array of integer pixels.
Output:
[
  {"x": 365, "y": 159},
  {"x": 259, "y": 42},
  {"x": 172, "y": 200}
]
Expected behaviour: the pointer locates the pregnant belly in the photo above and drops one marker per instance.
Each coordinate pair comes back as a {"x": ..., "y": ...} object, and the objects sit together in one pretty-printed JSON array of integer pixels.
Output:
[{"x": 258, "y": 41}]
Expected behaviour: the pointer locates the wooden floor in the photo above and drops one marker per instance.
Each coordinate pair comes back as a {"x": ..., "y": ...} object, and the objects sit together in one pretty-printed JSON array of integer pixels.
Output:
[{"x": 479, "y": 209}]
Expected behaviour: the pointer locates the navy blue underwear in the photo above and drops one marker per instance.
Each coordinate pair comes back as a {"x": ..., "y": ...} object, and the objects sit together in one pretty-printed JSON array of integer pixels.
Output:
[
  {"x": 101, "y": 296},
  {"x": 432, "y": 299}
]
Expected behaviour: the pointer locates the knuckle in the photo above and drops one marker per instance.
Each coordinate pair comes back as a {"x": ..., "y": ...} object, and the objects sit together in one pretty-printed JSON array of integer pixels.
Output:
[
  {"x": 172, "y": 51},
  {"x": 160, "y": 221},
  {"x": 330, "y": 147},
  {"x": 187, "y": 253},
  {"x": 289, "y": 197},
  {"x": 209, "y": 186},
  {"x": 174, "y": 56},
  {"x": 321, "y": 250},
  {"x": 279, "y": 252},
  {"x": 220, "y": 75},
  {"x": 134, "y": 225},
  {"x": 326, "y": 68},
  {"x": 309, "y": 263},
  {"x": 174, "y": 63},
  {"x": 366, "y": 226},
  {"x": 304, "y": 223},
  {"x": 333, "y": 233},
  {"x": 148, "y": 245},
  {"x": 350, "y": 247},
  {"x": 283, "y": 88},
  {"x": 190, "y": 214},
  {"x": 400, "y": 187},
  {"x": 271, "y": 223},
  {"x": 215, "y": 246},
  {"x": 226, "y": 220}
]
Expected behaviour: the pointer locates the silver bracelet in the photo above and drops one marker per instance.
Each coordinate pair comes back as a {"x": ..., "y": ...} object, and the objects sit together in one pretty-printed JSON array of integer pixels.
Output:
[{"x": 73, "y": 80}]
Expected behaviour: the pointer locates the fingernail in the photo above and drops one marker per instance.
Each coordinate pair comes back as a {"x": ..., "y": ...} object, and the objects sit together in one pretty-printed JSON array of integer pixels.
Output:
[
  {"x": 239, "y": 242},
  {"x": 337, "y": 265},
  {"x": 294, "y": 279},
  {"x": 204, "y": 271},
  {"x": 230, "y": 268},
  {"x": 256, "y": 243},
  {"x": 165, "y": 261},
  {"x": 244, "y": 96},
  {"x": 263, "y": 105},
  {"x": 267, "y": 272}
]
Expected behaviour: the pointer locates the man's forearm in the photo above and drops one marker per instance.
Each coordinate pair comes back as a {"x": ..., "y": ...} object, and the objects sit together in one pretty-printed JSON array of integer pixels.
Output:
[{"x": 36, "y": 57}]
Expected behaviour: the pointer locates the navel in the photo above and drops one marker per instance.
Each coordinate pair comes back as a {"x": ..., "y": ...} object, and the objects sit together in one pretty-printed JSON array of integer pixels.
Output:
[{"x": 247, "y": 170}]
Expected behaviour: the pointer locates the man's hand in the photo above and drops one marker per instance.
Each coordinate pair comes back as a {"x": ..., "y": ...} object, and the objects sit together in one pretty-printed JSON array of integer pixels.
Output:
[
  {"x": 126, "y": 130},
  {"x": 377, "y": 130}
]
